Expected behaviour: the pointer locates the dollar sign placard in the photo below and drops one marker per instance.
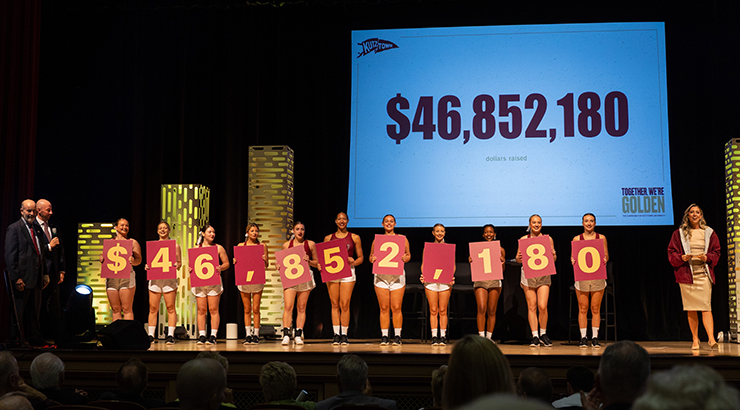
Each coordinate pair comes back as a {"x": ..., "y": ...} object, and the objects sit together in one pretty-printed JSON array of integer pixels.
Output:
[{"x": 116, "y": 254}]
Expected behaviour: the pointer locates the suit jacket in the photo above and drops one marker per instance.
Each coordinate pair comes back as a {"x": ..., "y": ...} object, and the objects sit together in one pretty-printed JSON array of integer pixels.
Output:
[
  {"x": 21, "y": 259},
  {"x": 354, "y": 397},
  {"x": 54, "y": 259}
]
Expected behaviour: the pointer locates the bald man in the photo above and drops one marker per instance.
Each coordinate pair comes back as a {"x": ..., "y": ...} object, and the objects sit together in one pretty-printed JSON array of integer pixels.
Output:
[
  {"x": 24, "y": 258},
  {"x": 201, "y": 384},
  {"x": 55, "y": 267}
]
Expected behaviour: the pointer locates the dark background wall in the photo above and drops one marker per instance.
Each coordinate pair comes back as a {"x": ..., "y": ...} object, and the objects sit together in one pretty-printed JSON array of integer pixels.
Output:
[{"x": 133, "y": 94}]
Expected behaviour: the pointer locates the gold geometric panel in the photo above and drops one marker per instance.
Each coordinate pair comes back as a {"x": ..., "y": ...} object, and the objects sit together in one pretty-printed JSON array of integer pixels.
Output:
[
  {"x": 732, "y": 190},
  {"x": 270, "y": 206},
  {"x": 186, "y": 207},
  {"x": 90, "y": 237}
]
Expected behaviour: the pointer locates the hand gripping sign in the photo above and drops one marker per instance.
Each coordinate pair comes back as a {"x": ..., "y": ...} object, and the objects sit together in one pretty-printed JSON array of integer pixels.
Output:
[
  {"x": 116, "y": 254},
  {"x": 294, "y": 269},
  {"x": 486, "y": 261},
  {"x": 537, "y": 258},
  {"x": 589, "y": 256},
  {"x": 161, "y": 257},
  {"x": 333, "y": 260},
  {"x": 438, "y": 262},
  {"x": 250, "y": 267},
  {"x": 389, "y": 251},
  {"x": 204, "y": 262}
]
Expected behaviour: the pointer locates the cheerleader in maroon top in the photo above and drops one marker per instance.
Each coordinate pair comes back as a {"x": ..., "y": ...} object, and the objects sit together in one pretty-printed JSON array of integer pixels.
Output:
[
  {"x": 590, "y": 289},
  {"x": 298, "y": 292},
  {"x": 340, "y": 290}
]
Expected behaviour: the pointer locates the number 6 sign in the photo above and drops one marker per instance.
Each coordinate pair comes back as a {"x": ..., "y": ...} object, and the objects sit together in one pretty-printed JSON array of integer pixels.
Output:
[
  {"x": 204, "y": 262},
  {"x": 294, "y": 270},
  {"x": 589, "y": 256},
  {"x": 389, "y": 249},
  {"x": 537, "y": 258},
  {"x": 333, "y": 260}
]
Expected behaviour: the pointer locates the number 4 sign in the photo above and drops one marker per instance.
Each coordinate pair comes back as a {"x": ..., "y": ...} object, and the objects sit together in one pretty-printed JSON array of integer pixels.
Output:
[
  {"x": 389, "y": 249},
  {"x": 161, "y": 256}
]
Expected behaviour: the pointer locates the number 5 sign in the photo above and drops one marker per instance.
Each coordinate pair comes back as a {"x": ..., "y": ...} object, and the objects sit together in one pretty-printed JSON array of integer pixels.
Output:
[
  {"x": 589, "y": 256},
  {"x": 537, "y": 258},
  {"x": 333, "y": 260},
  {"x": 203, "y": 262},
  {"x": 160, "y": 258},
  {"x": 294, "y": 269},
  {"x": 389, "y": 250}
]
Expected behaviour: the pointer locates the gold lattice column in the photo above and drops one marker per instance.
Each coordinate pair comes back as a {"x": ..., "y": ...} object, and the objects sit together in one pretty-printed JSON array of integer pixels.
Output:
[
  {"x": 271, "y": 208},
  {"x": 186, "y": 207},
  {"x": 732, "y": 189},
  {"x": 90, "y": 237}
]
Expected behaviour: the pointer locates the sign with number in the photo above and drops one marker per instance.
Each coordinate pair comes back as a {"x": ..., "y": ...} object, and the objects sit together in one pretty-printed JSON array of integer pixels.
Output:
[
  {"x": 537, "y": 258},
  {"x": 486, "y": 261},
  {"x": 294, "y": 269},
  {"x": 438, "y": 263},
  {"x": 161, "y": 257},
  {"x": 250, "y": 267},
  {"x": 333, "y": 260},
  {"x": 589, "y": 256},
  {"x": 389, "y": 251},
  {"x": 116, "y": 254},
  {"x": 204, "y": 261}
]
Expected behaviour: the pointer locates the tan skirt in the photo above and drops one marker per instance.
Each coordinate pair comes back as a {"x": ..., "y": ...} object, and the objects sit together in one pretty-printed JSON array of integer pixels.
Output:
[{"x": 697, "y": 296}]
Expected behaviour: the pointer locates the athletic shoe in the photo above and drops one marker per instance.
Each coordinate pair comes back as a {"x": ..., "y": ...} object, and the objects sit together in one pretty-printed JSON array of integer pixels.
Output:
[
  {"x": 584, "y": 343},
  {"x": 211, "y": 340},
  {"x": 286, "y": 340},
  {"x": 247, "y": 340},
  {"x": 384, "y": 341},
  {"x": 546, "y": 341},
  {"x": 298, "y": 336},
  {"x": 535, "y": 342},
  {"x": 595, "y": 343},
  {"x": 443, "y": 341},
  {"x": 343, "y": 340},
  {"x": 336, "y": 340},
  {"x": 152, "y": 339},
  {"x": 201, "y": 340},
  {"x": 255, "y": 339},
  {"x": 170, "y": 340},
  {"x": 435, "y": 341},
  {"x": 397, "y": 341}
]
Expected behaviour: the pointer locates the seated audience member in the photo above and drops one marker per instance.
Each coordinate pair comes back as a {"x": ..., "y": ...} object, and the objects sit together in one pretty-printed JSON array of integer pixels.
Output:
[
  {"x": 201, "y": 384},
  {"x": 622, "y": 376},
  {"x": 12, "y": 385},
  {"x": 15, "y": 401},
  {"x": 476, "y": 368},
  {"x": 278, "y": 381},
  {"x": 500, "y": 401},
  {"x": 688, "y": 388},
  {"x": 579, "y": 379},
  {"x": 47, "y": 376},
  {"x": 535, "y": 383},
  {"x": 132, "y": 379},
  {"x": 228, "y": 394},
  {"x": 352, "y": 379},
  {"x": 438, "y": 379}
]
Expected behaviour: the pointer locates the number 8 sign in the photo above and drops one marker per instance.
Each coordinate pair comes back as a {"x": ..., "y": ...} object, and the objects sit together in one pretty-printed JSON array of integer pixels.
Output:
[
  {"x": 537, "y": 258},
  {"x": 333, "y": 260},
  {"x": 589, "y": 259},
  {"x": 294, "y": 270}
]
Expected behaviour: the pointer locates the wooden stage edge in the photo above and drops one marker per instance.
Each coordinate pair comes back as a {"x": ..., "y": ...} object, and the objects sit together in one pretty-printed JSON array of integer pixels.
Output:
[{"x": 393, "y": 371}]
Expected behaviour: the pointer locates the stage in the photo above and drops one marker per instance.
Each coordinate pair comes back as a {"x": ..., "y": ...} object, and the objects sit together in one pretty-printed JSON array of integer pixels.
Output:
[{"x": 402, "y": 373}]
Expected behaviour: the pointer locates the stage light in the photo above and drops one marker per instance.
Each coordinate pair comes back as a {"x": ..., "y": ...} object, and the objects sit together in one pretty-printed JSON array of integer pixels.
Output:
[{"x": 78, "y": 319}]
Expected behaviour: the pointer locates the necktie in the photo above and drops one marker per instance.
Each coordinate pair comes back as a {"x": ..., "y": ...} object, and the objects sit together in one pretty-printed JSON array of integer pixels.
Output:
[
  {"x": 33, "y": 239},
  {"x": 47, "y": 232}
]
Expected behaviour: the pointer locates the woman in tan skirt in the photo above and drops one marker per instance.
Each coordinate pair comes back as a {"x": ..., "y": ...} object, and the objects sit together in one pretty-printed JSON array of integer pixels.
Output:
[{"x": 694, "y": 251}]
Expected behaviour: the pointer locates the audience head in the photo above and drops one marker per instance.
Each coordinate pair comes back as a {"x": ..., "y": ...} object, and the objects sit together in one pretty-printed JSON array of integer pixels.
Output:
[
  {"x": 351, "y": 372},
  {"x": 209, "y": 354},
  {"x": 438, "y": 380},
  {"x": 15, "y": 401},
  {"x": 132, "y": 377},
  {"x": 623, "y": 372},
  {"x": 278, "y": 381},
  {"x": 201, "y": 384},
  {"x": 500, "y": 401},
  {"x": 9, "y": 375},
  {"x": 579, "y": 378},
  {"x": 688, "y": 388},
  {"x": 47, "y": 371},
  {"x": 535, "y": 383},
  {"x": 476, "y": 368}
]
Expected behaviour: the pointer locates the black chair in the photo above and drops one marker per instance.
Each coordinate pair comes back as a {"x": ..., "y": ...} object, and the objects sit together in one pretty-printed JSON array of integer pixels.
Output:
[
  {"x": 459, "y": 307},
  {"x": 608, "y": 307},
  {"x": 419, "y": 308}
]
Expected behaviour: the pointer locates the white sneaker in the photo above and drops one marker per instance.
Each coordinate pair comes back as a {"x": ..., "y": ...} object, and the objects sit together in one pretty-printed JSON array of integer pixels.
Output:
[
  {"x": 298, "y": 340},
  {"x": 286, "y": 340}
]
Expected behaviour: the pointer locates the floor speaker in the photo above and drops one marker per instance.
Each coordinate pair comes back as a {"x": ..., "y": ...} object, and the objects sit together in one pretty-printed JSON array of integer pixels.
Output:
[{"x": 124, "y": 335}]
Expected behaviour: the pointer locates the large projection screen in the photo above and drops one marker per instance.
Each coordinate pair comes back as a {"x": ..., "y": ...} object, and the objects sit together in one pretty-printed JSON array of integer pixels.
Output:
[{"x": 473, "y": 125}]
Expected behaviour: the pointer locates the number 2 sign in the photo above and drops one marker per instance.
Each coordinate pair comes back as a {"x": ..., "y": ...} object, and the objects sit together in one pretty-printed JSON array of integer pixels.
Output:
[{"x": 389, "y": 250}]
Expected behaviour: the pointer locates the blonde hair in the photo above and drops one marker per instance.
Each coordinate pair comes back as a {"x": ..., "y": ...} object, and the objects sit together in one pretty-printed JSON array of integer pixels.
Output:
[{"x": 686, "y": 226}]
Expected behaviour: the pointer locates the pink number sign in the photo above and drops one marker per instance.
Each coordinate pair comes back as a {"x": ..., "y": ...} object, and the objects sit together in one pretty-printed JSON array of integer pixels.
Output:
[
  {"x": 589, "y": 256},
  {"x": 250, "y": 267},
  {"x": 116, "y": 254},
  {"x": 333, "y": 260},
  {"x": 161, "y": 257},
  {"x": 438, "y": 262},
  {"x": 389, "y": 251},
  {"x": 486, "y": 264},
  {"x": 294, "y": 269},
  {"x": 537, "y": 258},
  {"x": 203, "y": 262}
]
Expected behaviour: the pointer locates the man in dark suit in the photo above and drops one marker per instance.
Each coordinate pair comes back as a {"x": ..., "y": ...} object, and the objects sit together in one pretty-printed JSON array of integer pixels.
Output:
[
  {"x": 24, "y": 261},
  {"x": 55, "y": 268},
  {"x": 352, "y": 379}
]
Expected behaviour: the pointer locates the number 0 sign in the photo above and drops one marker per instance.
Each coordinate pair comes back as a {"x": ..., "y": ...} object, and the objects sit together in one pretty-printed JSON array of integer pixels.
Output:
[
  {"x": 161, "y": 257},
  {"x": 204, "y": 262},
  {"x": 333, "y": 260},
  {"x": 389, "y": 249},
  {"x": 537, "y": 258},
  {"x": 589, "y": 256}
]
